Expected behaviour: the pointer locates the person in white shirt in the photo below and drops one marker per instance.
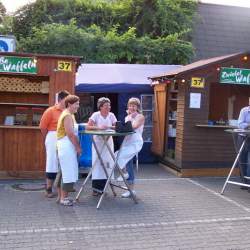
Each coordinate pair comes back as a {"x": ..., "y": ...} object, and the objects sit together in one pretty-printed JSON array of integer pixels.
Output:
[
  {"x": 132, "y": 144},
  {"x": 101, "y": 120}
]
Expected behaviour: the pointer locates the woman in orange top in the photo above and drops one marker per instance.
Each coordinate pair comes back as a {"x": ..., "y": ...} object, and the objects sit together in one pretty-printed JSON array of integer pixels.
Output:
[{"x": 48, "y": 126}]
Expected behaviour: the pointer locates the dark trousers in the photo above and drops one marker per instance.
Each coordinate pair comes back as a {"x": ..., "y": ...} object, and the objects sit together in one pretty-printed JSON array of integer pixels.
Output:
[
  {"x": 99, "y": 184},
  {"x": 244, "y": 164}
]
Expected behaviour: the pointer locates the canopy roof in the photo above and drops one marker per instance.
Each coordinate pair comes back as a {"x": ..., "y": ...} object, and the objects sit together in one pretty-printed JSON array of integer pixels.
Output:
[
  {"x": 118, "y": 78},
  {"x": 198, "y": 65}
]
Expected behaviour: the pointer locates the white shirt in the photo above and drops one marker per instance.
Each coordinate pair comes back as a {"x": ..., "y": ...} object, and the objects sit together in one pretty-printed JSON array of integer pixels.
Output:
[{"x": 100, "y": 120}]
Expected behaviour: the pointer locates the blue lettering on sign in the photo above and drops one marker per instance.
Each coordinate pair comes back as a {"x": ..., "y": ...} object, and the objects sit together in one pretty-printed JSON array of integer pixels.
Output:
[{"x": 4, "y": 46}]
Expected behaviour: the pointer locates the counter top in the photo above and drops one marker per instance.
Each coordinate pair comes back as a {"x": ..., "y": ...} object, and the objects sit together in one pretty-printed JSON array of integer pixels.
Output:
[
  {"x": 110, "y": 132},
  {"x": 19, "y": 127},
  {"x": 214, "y": 126}
]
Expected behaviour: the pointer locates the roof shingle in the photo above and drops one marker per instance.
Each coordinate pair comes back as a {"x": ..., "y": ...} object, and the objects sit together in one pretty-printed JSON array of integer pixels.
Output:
[{"x": 221, "y": 30}]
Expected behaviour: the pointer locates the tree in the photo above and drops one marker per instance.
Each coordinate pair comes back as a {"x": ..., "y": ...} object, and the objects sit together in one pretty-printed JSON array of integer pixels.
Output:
[
  {"x": 2, "y": 11},
  {"x": 5, "y": 21},
  {"x": 128, "y": 31},
  {"x": 96, "y": 46},
  {"x": 149, "y": 17},
  {"x": 85, "y": 12}
]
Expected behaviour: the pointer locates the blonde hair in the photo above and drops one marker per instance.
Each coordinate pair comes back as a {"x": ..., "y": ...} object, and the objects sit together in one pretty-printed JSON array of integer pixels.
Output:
[{"x": 135, "y": 101}]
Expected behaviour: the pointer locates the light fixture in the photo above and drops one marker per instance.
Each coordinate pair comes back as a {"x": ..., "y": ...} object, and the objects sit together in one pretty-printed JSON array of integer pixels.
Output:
[
  {"x": 245, "y": 58},
  {"x": 183, "y": 80},
  {"x": 218, "y": 68}
]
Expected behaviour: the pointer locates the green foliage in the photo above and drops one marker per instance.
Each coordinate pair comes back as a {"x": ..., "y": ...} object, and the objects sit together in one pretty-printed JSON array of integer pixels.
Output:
[
  {"x": 106, "y": 31},
  {"x": 97, "y": 46},
  {"x": 2, "y": 9},
  {"x": 6, "y": 25},
  {"x": 5, "y": 21},
  {"x": 149, "y": 17},
  {"x": 86, "y": 13},
  {"x": 174, "y": 16}
]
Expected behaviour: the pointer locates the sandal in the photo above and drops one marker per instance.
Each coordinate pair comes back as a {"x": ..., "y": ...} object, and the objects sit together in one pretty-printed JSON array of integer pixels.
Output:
[
  {"x": 66, "y": 198},
  {"x": 66, "y": 202}
]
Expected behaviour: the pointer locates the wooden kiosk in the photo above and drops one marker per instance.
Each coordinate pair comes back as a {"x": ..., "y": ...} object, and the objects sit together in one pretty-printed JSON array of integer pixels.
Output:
[
  {"x": 193, "y": 107},
  {"x": 28, "y": 85}
]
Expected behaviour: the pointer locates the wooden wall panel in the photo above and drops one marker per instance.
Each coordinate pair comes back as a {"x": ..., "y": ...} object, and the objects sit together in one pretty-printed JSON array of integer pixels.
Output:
[
  {"x": 159, "y": 119},
  {"x": 180, "y": 124},
  {"x": 22, "y": 150},
  {"x": 35, "y": 98},
  {"x": 59, "y": 80},
  {"x": 1, "y": 149}
]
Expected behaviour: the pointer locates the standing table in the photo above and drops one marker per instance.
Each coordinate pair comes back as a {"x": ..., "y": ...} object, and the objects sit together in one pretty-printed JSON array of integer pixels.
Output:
[
  {"x": 235, "y": 133},
  {"x": 105, "y": 135}
]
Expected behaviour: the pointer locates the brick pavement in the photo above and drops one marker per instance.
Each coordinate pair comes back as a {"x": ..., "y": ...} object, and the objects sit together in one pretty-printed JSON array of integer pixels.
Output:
[{"x": 173, "y": 213}]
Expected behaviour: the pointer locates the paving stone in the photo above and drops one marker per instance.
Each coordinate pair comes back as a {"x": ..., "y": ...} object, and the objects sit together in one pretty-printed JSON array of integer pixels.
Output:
[{"x": 173, "y": 213}]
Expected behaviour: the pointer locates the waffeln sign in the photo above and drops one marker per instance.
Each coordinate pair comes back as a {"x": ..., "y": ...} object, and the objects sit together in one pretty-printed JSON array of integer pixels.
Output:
[
  {"x": 235, "y": 76},
  {"x": 18, "y": 64}
]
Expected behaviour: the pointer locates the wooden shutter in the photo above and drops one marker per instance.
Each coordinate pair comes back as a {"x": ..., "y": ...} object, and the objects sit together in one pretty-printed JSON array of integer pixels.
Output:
[{"x": 159, "y": 119}]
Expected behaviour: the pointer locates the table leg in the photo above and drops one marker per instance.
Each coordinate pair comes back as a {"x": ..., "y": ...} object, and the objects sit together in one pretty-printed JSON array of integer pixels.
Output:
[
  {"x": 105, "y": 139},
  {"x": 234, "y": 164},
  {"x": 236, "y": 142},
  {"x": 115, "y": 165},
  {"x": 120, "y": 171},
  {"x": 89, "y": 174},
  {"x": 84, "y": 183}
]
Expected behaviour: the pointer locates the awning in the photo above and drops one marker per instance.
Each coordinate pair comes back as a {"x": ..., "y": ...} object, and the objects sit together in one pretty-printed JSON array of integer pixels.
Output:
[{"x": 118, "y": 78}]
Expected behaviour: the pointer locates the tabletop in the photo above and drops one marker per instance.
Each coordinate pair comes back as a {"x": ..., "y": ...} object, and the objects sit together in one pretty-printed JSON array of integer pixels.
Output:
[
  {"x": 238, "y": 131},
  {"x": 109, "y": 132}
]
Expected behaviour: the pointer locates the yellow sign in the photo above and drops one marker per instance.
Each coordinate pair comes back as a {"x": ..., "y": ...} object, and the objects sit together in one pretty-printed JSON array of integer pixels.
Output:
[
  {"x": 64, "y": 66},
  {"x": 197, "y": 82}
]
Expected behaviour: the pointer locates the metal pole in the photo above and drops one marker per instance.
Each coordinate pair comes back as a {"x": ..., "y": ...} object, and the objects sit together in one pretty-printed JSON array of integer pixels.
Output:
[
  {"x": 90, "y": 172},
  {"x": 234, "y": 164}
]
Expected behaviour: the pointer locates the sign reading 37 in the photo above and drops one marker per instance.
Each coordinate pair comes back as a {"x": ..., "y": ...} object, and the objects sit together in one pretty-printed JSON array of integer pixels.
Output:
[
  {"x": 64, "y": 66},
  {"x": 197, "y": 82}
]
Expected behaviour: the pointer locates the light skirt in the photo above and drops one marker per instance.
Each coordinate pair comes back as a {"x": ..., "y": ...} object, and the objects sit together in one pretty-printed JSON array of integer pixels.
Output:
[
  {"x": 128, "y": 151},
  {"x": 51, "y": 157},
  {"x": 68, "y": 160}
]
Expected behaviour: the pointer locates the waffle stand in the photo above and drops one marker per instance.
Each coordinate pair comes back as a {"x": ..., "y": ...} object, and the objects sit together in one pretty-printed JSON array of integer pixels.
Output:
[{"x": 28, "y": 86}]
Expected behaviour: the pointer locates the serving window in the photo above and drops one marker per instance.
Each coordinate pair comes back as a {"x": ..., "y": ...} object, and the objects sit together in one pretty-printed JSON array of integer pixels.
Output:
[
  {"x": 226, "y": 101},
  {"x": 23, "y": 99}
]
